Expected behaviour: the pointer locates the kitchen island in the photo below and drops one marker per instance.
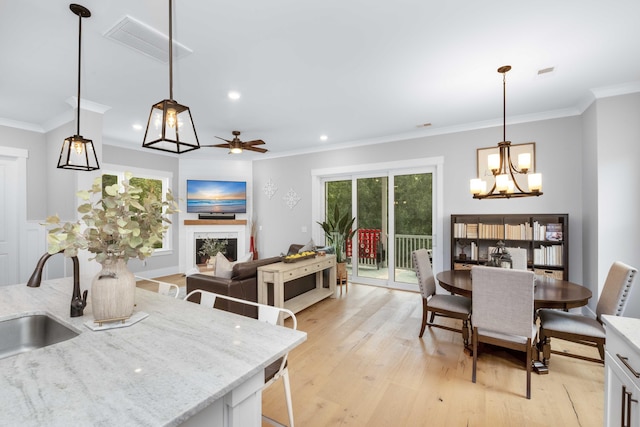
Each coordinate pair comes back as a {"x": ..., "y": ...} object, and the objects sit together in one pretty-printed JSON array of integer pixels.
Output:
[{"x": 183, "y": 364}]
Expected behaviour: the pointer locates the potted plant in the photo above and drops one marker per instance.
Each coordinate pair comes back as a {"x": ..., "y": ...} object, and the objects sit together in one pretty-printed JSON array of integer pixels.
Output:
[
  {"x": 338, "y": 230},
  {"x": 210, "y": 247},
  {"x": 115, "y": 226}
]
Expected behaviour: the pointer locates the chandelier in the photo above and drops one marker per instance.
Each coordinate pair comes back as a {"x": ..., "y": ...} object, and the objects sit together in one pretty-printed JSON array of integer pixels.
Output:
[
  {"x": 502, "y": 167},
  {"x": 170, "y": 126},
  {"x": 78, "y": 153}
]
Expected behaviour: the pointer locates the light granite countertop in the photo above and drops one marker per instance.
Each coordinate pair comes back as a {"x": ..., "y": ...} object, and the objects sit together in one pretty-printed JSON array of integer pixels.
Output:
[
  {"x": 158, "y": 372},
  {"x": 628, "y": 327}
]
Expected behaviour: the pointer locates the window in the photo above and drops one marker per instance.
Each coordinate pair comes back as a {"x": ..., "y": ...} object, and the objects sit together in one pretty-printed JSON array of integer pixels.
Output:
[{"x": 156, "y": 182}]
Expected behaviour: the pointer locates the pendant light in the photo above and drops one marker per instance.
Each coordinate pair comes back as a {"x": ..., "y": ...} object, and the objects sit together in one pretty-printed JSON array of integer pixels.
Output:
[
  {"x": 502, "y": 167},
  {"x": 170, "y": 127},
  {"x": 78, "y": 153}
]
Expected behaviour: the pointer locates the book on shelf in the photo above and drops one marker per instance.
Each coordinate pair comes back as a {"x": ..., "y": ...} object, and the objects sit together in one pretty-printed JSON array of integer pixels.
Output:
[
  {"x": 548, "y": 255},
  {"x": 554, "y": 232}
]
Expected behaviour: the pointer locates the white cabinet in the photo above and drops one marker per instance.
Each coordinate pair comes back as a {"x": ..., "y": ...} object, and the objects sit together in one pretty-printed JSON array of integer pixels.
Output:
[{"x": 622, "y": 372}]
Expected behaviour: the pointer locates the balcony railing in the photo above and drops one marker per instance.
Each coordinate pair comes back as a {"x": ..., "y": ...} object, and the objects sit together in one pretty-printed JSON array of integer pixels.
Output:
[
  {"x": 407, "y": 243},
  {"x": 404, "y": 244}
]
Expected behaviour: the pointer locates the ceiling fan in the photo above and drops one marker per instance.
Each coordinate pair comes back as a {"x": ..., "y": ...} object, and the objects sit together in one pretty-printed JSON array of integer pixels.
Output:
[{"x": 236, "y": 146}]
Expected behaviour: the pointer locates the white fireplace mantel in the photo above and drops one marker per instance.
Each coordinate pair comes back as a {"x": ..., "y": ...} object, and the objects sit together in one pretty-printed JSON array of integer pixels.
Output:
[{"x": 217, "y": 228}]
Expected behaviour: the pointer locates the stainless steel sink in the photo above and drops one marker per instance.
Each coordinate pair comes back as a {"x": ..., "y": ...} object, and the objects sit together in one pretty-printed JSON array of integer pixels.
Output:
[{"x": 27, "y": 333}]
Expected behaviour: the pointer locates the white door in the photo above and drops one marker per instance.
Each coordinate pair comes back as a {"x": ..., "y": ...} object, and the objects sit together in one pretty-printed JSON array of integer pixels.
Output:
[{"x": 9, "y": 226}]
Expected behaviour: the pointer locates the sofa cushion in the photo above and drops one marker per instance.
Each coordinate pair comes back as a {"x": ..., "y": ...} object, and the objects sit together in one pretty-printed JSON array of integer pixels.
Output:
[
  {"x": 308, "y": 247},
  {"x": 244, "y": 270},
  {"x": 223, "y": 266}
]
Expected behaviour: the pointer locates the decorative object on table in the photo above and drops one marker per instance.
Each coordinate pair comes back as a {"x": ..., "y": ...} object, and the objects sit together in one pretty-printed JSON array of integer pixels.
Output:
[
  {"x": 291, "y": 198},
  {"x": 462, "y": 244},
  {"x": 78, "y": 153},
  {"x": 338, "y": 230},
  {"x": 501, "y": 171},
  {"x": 170, "y": 126},
  {"x": 500, "y": 256},
  {"x": 210, "y": 248},
  {"x": 116, "y": 225},
  {"x": 299, "y": 256}
]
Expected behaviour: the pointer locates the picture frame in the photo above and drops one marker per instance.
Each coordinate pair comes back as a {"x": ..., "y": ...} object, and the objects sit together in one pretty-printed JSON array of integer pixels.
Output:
[{"x": 485, "y": 173}]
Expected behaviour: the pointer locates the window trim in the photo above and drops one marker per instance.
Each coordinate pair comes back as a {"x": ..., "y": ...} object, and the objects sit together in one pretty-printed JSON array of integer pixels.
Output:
[{"x": 167, "y": 180}]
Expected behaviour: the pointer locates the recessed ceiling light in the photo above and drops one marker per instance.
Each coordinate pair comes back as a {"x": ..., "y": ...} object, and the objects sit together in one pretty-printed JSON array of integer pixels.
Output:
[
  {"x": 323, "y": 137},
  {"x": 137, "y": 127},
  {"x": 233, "y": 95}
]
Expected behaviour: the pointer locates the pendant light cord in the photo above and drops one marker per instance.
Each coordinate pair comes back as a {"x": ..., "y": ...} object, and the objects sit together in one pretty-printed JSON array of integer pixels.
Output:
[
  {"x": 504, "y": 106},
  {"x": 79, "y": 57},
  {"x": 170, "y": 51}
]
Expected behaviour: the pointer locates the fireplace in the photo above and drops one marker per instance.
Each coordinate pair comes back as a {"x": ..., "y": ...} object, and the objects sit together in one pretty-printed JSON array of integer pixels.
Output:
[
  {"x": 230, "y": 251},
  {"x": 235, "y": 231}
]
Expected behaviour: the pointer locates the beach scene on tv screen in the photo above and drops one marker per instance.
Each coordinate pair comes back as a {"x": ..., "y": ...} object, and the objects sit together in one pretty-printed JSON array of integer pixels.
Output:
[{"x": 216, "y": 197}]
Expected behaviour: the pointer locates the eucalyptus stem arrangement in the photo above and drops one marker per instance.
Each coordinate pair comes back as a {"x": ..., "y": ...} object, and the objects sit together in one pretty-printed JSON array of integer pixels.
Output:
[{"x": 115, "y": 224}]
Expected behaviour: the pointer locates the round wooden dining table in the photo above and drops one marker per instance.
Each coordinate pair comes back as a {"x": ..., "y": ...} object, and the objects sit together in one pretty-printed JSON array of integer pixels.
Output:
[{"x": 549, "y": 292}]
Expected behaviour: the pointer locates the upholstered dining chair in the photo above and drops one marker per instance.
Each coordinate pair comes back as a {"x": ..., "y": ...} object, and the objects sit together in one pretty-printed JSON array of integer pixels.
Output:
[
  {"x": 503, "y": 312},
  {"x": 269, "y": 314},
  {"x": 518, "y": 258},
  {"x": 454, "y": 306},
  {"x": 583, "y": 329},
  {"x": 164, "y": 288}
]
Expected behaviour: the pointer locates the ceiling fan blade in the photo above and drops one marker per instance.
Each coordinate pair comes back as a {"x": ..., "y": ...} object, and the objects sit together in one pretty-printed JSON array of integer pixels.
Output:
[
  {"x": 256, "y": 149},
  {"x": 224, "y": 139},
  {"x": 254, "y": 142},
  {"x": 217, "y": 145}
]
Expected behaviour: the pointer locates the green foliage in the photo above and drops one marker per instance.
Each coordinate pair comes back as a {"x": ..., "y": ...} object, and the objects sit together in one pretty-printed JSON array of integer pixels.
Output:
[
  {"x": 412, "y": 195},
  {"x": 338, "y": 229},
  {"x": 210, "y": 247},
  {"x": 120, "y": 224}
]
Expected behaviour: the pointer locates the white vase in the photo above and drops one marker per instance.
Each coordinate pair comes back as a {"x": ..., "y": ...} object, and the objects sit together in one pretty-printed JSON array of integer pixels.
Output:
[{"x": 113, "y": 292}]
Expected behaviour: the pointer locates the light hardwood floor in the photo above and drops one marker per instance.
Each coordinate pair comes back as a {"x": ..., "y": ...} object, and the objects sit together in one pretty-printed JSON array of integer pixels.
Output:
[{"x": 364, "y": 365}]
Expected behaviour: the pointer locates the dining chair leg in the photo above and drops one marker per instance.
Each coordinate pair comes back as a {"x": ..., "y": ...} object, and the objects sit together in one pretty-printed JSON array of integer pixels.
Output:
[
  {"x": 544, "y": 345},
  {"x": 601, "y": 350},
  {"x": 425, "y": 313},
  {"x": 475, "y": 353},
  {"x": 465, "y": 333},
  {"x": 287, "y": 394},
  {"x": 529, "y": 362}
]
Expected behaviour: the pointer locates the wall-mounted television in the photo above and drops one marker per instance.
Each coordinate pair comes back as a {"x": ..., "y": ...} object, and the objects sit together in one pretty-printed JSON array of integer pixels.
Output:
[{"x": 216, "y": 197}]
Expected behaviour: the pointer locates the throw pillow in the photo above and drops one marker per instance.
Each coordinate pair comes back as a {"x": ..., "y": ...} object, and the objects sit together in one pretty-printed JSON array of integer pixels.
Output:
[
  {"x": 223, "y": 266},
  {"x": 308, "y": 247}
]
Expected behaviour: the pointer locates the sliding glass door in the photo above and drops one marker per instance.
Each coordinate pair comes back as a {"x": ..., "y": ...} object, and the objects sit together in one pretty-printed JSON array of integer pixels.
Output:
[{"x": 394, "y": 216}]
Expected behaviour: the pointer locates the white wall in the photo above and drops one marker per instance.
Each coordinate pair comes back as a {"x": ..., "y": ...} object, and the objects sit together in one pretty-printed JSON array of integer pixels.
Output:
[
  {"x": 557, "y": 145},
  {"x": 618, "y": 179}
]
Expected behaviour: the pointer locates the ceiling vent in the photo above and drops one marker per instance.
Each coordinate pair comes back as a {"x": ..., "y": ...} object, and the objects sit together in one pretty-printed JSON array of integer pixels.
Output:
[
  {"x": 546, "y": 70},
  {"x": 145, "y": 39}
]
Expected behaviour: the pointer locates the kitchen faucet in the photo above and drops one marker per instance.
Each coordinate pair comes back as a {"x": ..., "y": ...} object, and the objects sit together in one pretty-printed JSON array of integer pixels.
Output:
[{"x": 78, "y": 302}]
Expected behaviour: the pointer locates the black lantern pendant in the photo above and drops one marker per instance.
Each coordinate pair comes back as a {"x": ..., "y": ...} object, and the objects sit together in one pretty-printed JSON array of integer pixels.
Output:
[
  {"x": 170, "y": 126},
  {"x": 78, "y": 153}
]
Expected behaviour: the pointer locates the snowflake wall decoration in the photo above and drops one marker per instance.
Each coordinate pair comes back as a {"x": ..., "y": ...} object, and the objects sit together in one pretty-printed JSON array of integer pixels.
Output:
[
  {"x": 291, "y": 198},
  {"x": 270, "y": 188}
]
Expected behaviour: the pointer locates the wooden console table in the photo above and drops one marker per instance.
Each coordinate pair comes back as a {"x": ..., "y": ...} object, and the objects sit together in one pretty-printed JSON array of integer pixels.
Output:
[{"x": 280, "y": 273}]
